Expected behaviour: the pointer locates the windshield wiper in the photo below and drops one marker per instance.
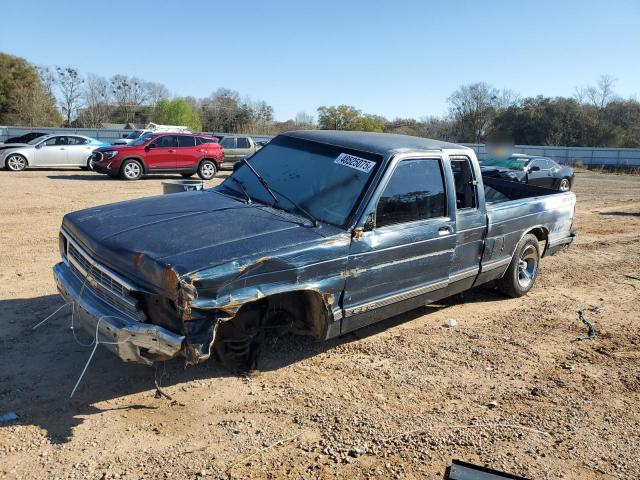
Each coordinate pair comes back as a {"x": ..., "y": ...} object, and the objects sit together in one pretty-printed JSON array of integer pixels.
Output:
[
  {"x": 244, "y": 190},
  {"x": 264, "y": 183},
  {"x": 298, "y": 207}
]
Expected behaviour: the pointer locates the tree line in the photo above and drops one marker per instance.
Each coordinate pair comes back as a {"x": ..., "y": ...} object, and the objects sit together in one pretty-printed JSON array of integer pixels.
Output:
[{"x": 61, "y": 96}]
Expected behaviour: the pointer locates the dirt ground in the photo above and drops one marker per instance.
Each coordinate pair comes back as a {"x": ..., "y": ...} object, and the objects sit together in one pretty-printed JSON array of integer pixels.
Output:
[{"x": 510, "y": 386}]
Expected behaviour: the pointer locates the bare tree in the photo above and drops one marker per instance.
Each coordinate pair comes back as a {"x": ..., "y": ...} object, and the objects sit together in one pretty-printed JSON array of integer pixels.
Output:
[
  {"x": 69, "y": 83},
  {"x": 603, "y": 93},
  {"x": 129, "y": 94},
  {"x": 48, "y": 78},
  {"x": 156, "y": 92},
  {"x": 304, "y": 120},
  {"x": 96, "y": 98}
]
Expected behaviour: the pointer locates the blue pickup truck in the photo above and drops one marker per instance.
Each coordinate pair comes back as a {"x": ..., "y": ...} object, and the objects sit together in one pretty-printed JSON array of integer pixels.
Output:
[{"x": 319, "y": 233}]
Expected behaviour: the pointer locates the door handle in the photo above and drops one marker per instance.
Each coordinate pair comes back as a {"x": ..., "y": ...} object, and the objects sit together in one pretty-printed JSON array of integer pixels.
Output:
[
  {"x": 170, "y": 151},
  {"x": 444, "y": 231}
]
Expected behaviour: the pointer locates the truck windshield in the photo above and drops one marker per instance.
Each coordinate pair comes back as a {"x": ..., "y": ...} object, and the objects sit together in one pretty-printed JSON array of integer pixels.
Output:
[
  {"x": 512, "y": 163},
  {"x": 326, "y": 181}
]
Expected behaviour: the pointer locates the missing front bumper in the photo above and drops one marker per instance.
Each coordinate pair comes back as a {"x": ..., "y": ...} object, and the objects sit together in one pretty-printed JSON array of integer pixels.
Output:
[{"x": 130, "y": 340}]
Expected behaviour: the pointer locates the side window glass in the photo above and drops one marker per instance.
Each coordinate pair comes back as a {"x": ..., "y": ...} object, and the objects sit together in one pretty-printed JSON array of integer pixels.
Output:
[
  {"x": 168, "y": 141},
  {"x": 62, "y": 140},
  {"x": 465, "y": 183},
  {"x": 414, "y": 192},
  {"x": 243, "y": 142},
  {"x": 77, "y": 141},
  {"x": 541, "y": 164},
  {"x": 228, "y": 142},
  {"x": 186, "y": 141},
  {"x": 52, "y": 141}
]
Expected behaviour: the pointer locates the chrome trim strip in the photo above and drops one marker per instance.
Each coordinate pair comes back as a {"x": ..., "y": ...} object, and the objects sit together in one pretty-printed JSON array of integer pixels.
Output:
[
  {"x": 487, "y": 266},
  {"x": 395, "y": 298},
  {"x": 472, "y": 272},
  {"x": 95, "y": 264}
]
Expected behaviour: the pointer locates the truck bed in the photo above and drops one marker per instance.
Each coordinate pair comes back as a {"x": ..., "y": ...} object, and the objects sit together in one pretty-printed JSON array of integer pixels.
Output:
[
  {"x": 500, "y": 191},
  {"x": 514, "y": 209}
]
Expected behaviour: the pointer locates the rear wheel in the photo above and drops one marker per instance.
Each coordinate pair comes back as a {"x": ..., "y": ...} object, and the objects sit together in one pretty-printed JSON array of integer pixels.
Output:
[
  {"x": 565, "y": 185},
  {"x": 207, "y": 170},
  {"x": 131, "y": 170},
  {"x": 523, "y": 269},
  {"x": 16, "y": 163}
]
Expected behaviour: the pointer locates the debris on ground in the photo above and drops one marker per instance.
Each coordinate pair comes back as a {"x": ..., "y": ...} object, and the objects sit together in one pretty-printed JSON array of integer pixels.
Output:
[
  {"x": 592, "y": 330},
  {"x": 452, "y": 322},
  {"x": 460, "y": 470}
]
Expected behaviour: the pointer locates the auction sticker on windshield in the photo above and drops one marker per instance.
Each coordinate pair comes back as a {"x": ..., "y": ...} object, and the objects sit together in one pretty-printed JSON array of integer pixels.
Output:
[{"x": 352, "y": 161}]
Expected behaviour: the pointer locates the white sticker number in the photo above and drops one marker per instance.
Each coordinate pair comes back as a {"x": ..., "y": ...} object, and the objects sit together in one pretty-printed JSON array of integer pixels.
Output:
[{"x": 355, "y": 162}]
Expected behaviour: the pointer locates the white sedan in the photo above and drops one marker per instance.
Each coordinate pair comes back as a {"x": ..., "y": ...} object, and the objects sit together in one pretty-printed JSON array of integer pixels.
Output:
[{"x": 50, "y": 151}]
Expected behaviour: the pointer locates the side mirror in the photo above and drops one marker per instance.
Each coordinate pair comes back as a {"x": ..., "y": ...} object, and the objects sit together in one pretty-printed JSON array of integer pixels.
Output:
[
  {"x": 534, "y": 169},
  {"x": 150, "y": 146},
  {"x": 40, "y": 145}
]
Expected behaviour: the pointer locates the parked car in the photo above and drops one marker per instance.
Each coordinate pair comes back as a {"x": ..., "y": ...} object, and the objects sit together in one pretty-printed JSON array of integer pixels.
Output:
[
  {"x": 151, "y": 128},
  {"x": 237, "y": 147},
  {"x": 27, "y": 137},
  {"x": 161, "y": 153},
  {"x": 320, "y": 233},
  {"x": 540, "y": 171},
  {"x": 51, "y": 151}
]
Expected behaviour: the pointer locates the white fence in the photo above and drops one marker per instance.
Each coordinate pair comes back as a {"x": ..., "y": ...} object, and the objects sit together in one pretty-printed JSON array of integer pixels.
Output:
[{"x": 588, "y": 156}]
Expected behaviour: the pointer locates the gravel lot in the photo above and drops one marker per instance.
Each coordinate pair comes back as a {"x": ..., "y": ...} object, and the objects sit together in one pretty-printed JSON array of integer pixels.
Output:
[{"x": 510, "y": 386}]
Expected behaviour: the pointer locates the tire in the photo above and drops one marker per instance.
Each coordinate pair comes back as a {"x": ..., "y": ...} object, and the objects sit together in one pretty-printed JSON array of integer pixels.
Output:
[
  {"x": 187, "y": 175},
  {"x": 207, "y": 169},
  {"x": 565, "y": 185},
  {"x": 131, "y": 170},
  {"x": 523, "y": 269},
  {"x": 16, "y": 163}
]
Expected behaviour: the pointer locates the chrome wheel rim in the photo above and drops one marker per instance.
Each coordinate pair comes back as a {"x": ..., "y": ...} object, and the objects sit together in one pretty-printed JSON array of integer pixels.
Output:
[
  {"x": 527, "y": 266},
  {"x": 16, "y": 162},
  {"x": 564, "y": 185},
  {"x": 132, "y": 170},
  {"x": 208, "y": 170}
]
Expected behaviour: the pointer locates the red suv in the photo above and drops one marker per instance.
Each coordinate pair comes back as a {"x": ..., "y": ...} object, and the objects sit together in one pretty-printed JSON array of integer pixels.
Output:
[{"x": 161, "y": 153}]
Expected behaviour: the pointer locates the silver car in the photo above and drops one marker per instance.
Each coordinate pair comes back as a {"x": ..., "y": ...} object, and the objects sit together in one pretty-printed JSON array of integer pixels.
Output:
[{"x": 50, "y": 151}]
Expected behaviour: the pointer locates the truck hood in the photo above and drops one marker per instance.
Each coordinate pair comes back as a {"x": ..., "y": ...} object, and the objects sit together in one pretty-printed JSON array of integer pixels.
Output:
[{"x": 184, "y": 233}]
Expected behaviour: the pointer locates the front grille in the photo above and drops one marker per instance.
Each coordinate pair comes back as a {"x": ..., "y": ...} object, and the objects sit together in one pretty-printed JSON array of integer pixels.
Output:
[{"x": 104, "y": 286}]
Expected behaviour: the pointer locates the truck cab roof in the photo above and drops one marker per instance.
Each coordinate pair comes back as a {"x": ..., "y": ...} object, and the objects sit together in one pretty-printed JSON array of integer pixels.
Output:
[{"x": 377, "y": 143}]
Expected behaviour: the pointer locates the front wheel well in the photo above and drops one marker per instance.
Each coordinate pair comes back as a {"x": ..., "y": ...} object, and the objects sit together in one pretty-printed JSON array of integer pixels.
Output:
[{"x": 137, "y": 159}]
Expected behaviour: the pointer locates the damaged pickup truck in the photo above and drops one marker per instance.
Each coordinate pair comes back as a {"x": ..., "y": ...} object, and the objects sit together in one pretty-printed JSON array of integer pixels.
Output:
[{"x": 319, "y": 233}]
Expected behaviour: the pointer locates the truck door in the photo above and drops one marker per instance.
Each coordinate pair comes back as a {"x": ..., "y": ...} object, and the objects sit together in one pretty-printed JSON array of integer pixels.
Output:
[
  {"x": 471, "y": 221},
  {"x": 406, "y": 252}
]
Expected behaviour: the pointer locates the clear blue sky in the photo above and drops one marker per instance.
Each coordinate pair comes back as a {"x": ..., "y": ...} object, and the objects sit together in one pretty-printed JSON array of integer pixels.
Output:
[{"x": 393, "y": 58}]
